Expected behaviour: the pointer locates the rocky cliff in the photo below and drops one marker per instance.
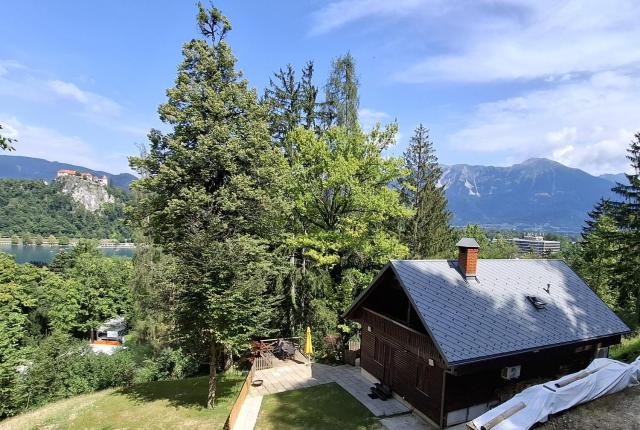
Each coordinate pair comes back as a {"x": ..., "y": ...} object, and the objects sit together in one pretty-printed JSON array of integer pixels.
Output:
[{"x": 89, "y": 194}]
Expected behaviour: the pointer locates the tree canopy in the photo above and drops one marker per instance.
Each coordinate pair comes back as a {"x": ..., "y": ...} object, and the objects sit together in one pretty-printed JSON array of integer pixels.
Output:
[{"x": 212, "y": 194}]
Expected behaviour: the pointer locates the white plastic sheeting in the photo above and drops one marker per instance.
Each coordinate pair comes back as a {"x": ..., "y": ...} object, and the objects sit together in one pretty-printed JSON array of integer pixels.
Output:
[{"x": 607, "y": 376}]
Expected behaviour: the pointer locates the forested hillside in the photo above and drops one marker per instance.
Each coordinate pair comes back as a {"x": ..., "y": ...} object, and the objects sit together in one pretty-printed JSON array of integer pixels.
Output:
[
  {"x": 18, "y": 167},
  {"x": 33, "y": 207}
]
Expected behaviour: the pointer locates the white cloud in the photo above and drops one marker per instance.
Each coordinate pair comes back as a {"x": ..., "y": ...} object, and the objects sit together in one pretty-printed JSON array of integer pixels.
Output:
[
  {"x": 339, "y": 13},
  {"x": 47, "y": 143},
  {"x": 20, "y": 82},
  {"x": 584, "y": 123},
  {"x": 369, "y": 118},
  {"x": 94, "y": 103},
  {"x": 547, "y": 40},
  {"x": 68, "y": 89}
]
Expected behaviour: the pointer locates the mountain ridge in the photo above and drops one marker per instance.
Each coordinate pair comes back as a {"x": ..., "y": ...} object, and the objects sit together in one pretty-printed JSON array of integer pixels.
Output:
[
  {"x": 21, "y": 167},
  {"x": 536, "y": 194},
  {"x": 539, "y": 194}
]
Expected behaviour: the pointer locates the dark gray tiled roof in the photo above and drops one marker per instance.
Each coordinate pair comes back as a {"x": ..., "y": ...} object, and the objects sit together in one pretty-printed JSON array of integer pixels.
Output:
[{"x": 492, "y": 316}]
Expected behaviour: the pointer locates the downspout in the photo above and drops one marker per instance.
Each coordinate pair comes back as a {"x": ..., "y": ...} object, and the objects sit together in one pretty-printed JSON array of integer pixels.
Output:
[{"x": 442, "y": 398}]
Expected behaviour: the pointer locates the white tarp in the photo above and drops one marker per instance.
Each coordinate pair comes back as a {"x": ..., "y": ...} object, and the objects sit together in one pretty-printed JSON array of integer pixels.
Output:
[{"x": 607, "y": 376}]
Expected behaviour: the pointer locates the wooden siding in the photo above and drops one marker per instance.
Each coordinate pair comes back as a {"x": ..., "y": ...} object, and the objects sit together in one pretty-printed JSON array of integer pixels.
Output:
[
  {"x": 411, "y": 340},
  {"x": 481, "y": 382},
  {"x": 394, "y": 354}
]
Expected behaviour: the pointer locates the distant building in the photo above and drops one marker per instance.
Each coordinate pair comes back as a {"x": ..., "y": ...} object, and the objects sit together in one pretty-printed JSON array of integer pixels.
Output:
[
  {"x": 109, "y": 335},
  {"x": 536, "y": 245},
  {"x": 102, "y": 180}
]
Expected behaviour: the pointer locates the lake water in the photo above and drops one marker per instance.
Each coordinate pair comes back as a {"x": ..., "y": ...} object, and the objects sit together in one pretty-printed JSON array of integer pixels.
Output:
[{"x": 45, "y": 254}]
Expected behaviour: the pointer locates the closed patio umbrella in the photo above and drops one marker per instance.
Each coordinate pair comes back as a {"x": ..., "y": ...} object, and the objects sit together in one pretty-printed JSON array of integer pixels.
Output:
[{"x": 308, "y": 347}]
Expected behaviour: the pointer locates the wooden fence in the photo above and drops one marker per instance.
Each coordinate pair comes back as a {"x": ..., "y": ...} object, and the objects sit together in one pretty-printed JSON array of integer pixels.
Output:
[
  {"x": 242, "y": 396},
  {"x": 263, "y": 361},
  {"x": 352, "y": 352}
]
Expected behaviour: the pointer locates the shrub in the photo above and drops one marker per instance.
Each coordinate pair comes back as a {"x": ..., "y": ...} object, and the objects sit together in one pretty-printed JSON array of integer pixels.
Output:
[
  {"x": 168, "y": 364},
  {"x": 106, "y": 371},
  {"x": 62, "y": 367},
  {"x": 628, "y": 350}
]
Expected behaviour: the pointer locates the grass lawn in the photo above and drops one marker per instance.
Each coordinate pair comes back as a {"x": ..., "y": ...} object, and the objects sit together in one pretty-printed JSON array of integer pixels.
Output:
[
  {"x": 165, "y": 404},
  {"x": 317, "y": 408},
  {"x": 628, "y": 350}
]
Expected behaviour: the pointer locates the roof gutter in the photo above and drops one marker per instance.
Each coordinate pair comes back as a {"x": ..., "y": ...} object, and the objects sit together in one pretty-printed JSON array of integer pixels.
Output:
[{"x": 455, "y": 364}]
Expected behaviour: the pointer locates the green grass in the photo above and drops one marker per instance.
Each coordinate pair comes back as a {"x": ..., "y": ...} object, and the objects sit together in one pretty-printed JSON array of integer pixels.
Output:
[
  {"x": 154, "y": 405},
  {"x": 317, "y": 408},
  {"x": 628, "y": 350}
]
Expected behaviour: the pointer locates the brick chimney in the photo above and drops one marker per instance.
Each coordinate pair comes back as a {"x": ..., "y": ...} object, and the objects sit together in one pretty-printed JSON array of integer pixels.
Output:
[{"x": 468, "y": 257}]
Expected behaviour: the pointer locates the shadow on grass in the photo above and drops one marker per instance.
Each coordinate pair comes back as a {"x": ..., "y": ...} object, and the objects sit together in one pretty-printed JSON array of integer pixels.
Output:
[
  {"x": 186, "y": 393},
  {"x": 323, "y": 407}
]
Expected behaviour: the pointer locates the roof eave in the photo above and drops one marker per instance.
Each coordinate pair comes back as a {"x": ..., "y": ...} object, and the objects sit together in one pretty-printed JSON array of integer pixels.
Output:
[
  {"x": 365, "y": 292},
  {"x": 457, "y": 363}
]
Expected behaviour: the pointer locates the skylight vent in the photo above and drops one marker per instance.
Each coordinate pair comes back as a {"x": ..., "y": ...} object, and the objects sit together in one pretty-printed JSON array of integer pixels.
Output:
[{"x": 537, "y": 302}]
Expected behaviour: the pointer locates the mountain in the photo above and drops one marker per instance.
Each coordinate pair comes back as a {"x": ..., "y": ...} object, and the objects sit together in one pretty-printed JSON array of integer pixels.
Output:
[
  {"x": 17, "y": 167},
  {"x": 615, "y": 178},
  {"x": 538, "y": 194}
]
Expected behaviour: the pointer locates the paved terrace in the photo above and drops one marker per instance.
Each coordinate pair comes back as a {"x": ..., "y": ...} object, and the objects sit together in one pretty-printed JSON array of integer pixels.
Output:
[{"x": 293, "y": 376}]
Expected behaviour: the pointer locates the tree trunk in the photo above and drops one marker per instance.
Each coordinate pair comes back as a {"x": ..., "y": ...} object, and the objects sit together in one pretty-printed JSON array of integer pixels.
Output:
[{"x": 213, "y": 377}]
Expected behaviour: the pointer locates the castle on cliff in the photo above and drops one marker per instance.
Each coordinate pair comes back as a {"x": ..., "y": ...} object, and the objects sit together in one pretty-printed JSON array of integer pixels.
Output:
[{"x": 102, "y": 180}]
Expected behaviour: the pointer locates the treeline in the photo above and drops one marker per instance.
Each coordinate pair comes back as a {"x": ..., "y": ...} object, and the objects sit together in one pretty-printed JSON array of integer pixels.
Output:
[
  {"x": 44, "y": 314},
  {"x": 608, "y": 256},
  {"x": 273, "y": 213},
  {"x": 31, "y": 208}
]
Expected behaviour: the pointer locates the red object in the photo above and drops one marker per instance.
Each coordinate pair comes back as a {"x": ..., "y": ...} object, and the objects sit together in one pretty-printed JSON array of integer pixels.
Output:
[
  {"x": 106, "y": 342},
  {"x": 468, "y": 260}
]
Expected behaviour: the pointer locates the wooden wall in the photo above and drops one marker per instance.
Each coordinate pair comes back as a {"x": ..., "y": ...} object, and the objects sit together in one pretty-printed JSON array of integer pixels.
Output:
[
  {"x": 396, "y": 355},
  {"x": 481, "y": 382}
]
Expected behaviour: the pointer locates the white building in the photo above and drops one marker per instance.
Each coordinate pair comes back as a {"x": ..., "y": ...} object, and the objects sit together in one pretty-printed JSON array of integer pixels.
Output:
[{"x": 536, "y": 245}]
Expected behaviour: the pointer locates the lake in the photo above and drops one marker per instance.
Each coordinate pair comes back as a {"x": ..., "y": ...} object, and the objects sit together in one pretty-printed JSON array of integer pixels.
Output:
[{"x": 45, "y": 254}]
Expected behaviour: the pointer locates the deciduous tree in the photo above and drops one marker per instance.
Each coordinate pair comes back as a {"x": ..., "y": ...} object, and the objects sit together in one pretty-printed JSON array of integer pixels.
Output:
[{"x": 344, "y": 207}]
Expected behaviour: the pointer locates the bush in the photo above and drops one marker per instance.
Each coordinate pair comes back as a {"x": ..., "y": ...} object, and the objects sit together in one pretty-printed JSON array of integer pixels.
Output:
[
  {"x": 168, "y": 364},
  {"x": 106, "y": 371},
  {"x": 628, "y": 350},
  {"x": 62, "y": 367}
]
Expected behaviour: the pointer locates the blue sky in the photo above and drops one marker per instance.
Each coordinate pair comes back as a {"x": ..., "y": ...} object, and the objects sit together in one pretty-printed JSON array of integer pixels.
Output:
[{"x": 496, "y": 81}]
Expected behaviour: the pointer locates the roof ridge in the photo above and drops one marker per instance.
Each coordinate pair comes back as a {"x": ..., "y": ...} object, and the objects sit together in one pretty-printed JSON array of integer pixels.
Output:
[{"x": 479, "y": 259}]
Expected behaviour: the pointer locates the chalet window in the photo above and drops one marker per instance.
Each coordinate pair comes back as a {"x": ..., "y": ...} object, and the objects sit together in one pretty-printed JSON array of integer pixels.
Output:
[
  {"x": 378, "y": 351},
  {"x": 422, "y": 378}
]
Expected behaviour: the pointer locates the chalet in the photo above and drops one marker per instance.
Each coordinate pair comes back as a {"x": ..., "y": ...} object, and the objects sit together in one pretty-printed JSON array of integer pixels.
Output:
[{"x": 455, "y": 338}]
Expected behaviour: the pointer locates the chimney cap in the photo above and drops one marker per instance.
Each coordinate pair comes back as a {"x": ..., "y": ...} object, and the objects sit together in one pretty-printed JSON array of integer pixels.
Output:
[{"x": 467, "y": 242}]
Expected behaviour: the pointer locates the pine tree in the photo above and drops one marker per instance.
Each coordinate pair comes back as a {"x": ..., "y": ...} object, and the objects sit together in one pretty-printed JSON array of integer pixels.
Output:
[
  {"x": 428, "y": 233},
  {"x": 308, "y": 97},
  {"x": 341, "y": 103},
  {"x": 627, "y": 216},
  {"x": 283, "y": 98},
  {"x": 212, "y": 195},
  {"x": 599, "y": 254}
]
